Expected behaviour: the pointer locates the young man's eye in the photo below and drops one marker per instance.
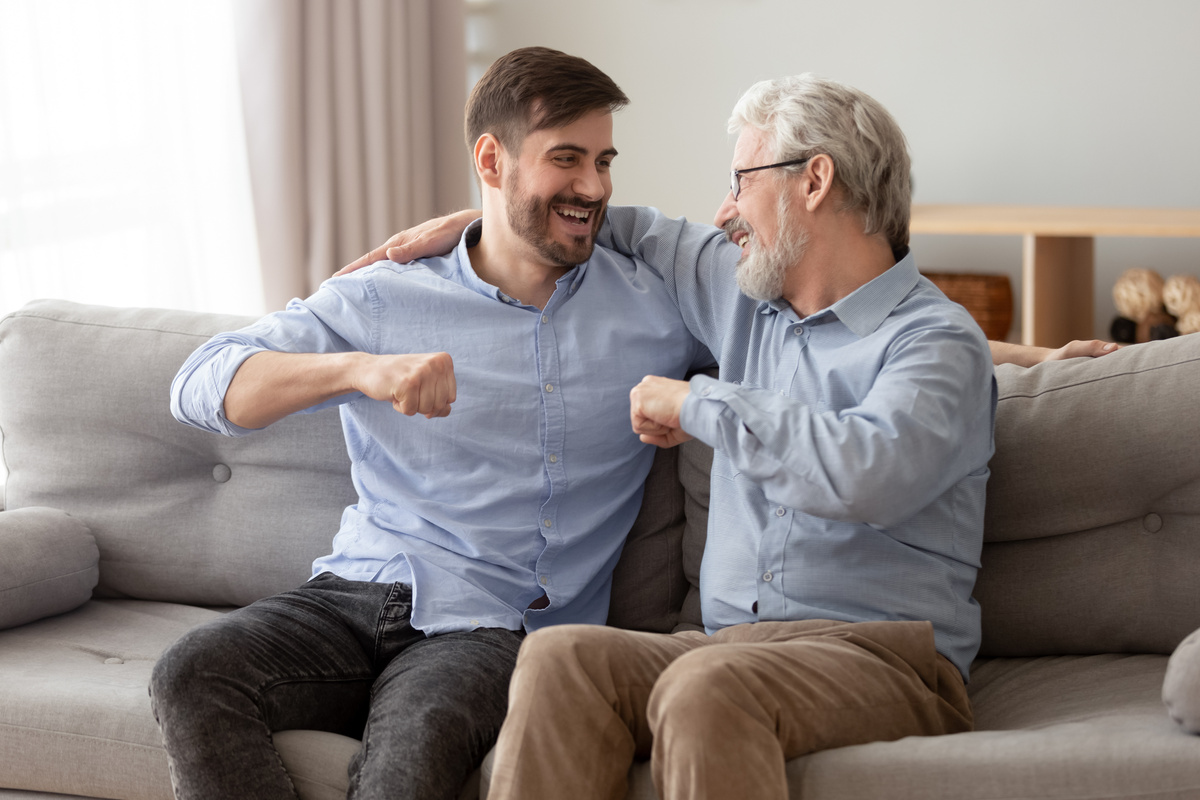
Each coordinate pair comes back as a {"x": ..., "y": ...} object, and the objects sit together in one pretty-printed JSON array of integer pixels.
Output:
[
  {"x": 564, "y": 160},
  {"x": 604, "y": 163}
]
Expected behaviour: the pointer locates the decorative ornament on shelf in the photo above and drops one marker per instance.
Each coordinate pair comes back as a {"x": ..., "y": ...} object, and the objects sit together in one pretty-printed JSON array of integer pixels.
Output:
[
  {"x": 1181, "y": 297},
  {"x": 1150, "y": 308}
]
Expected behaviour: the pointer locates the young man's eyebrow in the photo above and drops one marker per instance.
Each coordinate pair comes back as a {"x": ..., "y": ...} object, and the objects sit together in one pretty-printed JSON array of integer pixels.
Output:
[{"x": 583, "y": 151}]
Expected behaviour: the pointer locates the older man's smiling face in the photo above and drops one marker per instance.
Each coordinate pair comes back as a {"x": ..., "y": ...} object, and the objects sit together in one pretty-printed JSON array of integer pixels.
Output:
[{"x": 760, "y": 221}]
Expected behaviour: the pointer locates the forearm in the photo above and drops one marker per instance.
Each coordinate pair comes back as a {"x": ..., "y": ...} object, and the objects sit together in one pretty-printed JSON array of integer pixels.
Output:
[
  {"x": 924, "y": 422},
  {"x": 1028, "y": 355},
  {"x": 1019, "y": 354},
  {"x": 270, "y": 385}
]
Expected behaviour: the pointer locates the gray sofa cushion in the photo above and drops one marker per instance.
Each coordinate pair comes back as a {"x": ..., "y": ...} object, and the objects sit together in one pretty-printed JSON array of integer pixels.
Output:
[
  {"x": 1065, "y": 727},
  {"x": 1073, "y": 482},
  {"x": 186, "y": 516},
  {"x": 648, "y": 581},
  {"x": 1181, "y": 686},
  {"x": 178, "y": 514},
  {"x": 74, "y": 711},
  {"x": 49, "y": 564}
]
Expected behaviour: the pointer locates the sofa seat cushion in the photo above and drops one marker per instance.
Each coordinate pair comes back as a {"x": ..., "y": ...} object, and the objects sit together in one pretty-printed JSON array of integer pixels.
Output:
[
  {"x": 1057, "y": 727},
  {"x": 74, "y": 710},
  {"x": 75, "y": 714},
  {"x": 50, "y": 564}
]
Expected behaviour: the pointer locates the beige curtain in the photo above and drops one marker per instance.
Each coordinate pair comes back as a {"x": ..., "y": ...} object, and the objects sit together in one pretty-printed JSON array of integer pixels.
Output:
[{"x": 354, "y": 127}]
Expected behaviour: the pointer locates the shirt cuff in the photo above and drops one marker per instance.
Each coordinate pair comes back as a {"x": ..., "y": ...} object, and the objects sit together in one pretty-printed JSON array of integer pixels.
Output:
[{"x": 704, "y": 407}]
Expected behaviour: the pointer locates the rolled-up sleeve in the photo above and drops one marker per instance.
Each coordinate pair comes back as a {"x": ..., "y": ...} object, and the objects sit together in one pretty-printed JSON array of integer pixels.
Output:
[{"x": 338, "y": 318}]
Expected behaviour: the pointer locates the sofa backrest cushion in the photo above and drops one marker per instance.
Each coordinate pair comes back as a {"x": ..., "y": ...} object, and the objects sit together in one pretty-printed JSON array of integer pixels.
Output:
[
  {"x": 178, "y": 514},
  {"x": 182, "y": 515},
  {"x": 1092, "y": 525}
]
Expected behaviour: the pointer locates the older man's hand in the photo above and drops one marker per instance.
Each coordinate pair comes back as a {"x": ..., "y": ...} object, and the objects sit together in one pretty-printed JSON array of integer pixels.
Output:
[{"x": 654, "y": 406}]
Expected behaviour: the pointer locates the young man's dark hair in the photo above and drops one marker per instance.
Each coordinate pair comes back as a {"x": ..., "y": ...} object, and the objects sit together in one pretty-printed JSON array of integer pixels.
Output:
[{"x": 534, "y": 88}]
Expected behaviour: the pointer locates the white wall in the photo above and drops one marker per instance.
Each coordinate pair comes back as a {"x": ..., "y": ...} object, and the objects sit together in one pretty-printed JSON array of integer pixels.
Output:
[{"x": 1059, "y": 102}]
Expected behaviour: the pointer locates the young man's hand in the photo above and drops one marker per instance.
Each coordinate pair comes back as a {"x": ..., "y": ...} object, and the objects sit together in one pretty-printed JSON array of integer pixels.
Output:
[
  {"x": 414, "y": 384},
  {"x": 654, "y": 406},
  {"x": 434, "y": 237}
]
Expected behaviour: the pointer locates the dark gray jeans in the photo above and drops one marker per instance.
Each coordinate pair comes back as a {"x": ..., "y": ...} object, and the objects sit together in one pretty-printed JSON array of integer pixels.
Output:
[{"x": 333, "y": 655}]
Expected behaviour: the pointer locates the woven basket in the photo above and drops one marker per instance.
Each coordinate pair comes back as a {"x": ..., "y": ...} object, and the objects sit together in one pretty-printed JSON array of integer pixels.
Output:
[{"x": 988, "y": 298}]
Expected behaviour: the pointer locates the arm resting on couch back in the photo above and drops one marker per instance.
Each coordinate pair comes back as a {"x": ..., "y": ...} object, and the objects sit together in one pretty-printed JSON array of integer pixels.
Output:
[{"x": 50, "y": 564}]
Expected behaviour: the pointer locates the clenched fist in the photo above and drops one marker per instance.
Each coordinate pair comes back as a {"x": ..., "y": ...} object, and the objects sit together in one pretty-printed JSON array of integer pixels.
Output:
[
  {"x": 414, "y": 384},
  {"x": 654, "y": 406}
]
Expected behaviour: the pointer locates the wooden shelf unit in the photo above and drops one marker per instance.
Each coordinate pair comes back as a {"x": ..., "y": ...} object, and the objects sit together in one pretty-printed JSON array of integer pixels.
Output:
[{"x": 1059, "y": 254}]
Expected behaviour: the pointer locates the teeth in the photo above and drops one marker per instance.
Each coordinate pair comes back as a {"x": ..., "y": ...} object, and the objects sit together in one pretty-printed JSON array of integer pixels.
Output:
[
  {"x": 741, "y": 241},
  {"x": 570, "y": 212}
]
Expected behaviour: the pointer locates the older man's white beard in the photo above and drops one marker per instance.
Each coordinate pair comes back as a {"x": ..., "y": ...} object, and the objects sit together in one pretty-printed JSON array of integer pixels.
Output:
[{"x": 761, "y": 274}]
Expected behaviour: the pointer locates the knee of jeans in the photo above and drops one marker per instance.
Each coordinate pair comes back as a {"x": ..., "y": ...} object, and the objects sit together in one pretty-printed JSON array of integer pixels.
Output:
[{"x": 182, "y": 668}]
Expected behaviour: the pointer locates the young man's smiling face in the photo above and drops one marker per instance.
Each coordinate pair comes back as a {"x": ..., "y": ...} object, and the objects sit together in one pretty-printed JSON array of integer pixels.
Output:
[{"x": 559, "y": 188}]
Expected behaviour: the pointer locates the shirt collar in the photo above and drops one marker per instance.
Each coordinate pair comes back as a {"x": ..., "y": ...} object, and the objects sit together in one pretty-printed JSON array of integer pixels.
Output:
[
  {"x": 471, "y": 279},
  {"x": 865, "y": 309}
]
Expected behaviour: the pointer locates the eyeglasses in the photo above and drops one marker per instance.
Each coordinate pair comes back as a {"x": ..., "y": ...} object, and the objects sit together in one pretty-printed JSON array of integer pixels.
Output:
[{"x": 735, "y": 179}]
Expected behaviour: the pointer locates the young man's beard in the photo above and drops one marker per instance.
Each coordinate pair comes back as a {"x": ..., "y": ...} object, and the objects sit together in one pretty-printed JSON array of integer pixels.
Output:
[
  {"x": 762, "y": 272},
  {"x": 529, "y": 217}
]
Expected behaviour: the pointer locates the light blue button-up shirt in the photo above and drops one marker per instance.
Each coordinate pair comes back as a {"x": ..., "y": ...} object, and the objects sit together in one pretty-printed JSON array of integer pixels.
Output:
[
  {"x": 851, "y": 446},
  {"x": 532, "y": 482}
]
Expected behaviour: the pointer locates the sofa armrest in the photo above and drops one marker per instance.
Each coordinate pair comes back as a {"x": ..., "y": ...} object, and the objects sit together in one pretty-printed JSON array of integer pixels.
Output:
[
  {"x": 49, "y": 564},
  {"x": 1181, "y": 686}
]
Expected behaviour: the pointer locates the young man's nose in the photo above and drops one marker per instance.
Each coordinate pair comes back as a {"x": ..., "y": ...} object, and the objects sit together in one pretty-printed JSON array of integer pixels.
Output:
[{"x": 589, "y": 184}]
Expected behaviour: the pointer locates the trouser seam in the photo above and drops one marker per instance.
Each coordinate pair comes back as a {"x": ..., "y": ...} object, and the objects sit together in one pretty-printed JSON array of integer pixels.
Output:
[{"x": 312, "y": 679}]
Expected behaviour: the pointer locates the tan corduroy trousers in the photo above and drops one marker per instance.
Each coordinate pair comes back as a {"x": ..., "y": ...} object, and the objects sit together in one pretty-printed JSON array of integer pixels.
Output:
[{"x": 717, "y": 715}]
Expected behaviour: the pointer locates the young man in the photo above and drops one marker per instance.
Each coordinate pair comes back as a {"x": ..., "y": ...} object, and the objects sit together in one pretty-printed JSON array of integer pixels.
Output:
[
  {"x": 852, "y": 428},
  {"x": 483, "y": 401}
]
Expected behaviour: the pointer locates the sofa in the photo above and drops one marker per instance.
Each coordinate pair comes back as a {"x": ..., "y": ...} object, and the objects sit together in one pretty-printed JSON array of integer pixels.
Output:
[{"x": 122, "y": 529}]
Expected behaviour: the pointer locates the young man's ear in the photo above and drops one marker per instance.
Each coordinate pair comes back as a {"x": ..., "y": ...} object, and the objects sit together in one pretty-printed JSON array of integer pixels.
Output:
[
  {"x": 818, "y": 181},
  {"x": 489, "y": 160}
]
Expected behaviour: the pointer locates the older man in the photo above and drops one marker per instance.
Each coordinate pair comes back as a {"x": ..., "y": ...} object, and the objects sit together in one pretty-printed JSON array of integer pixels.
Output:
[{"x": 852, "y": 428}]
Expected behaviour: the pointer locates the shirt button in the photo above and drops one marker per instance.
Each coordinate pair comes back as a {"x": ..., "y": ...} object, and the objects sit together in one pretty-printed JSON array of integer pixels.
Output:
[
  {"x": 553, "y": 458},
  {"x": 779, "y": 512},
  {"x": 543, "y": 580},
  {"x": 474, "y": 622},
  {"x": 799, "y": 330},
  {"x": 549, "y": 387},
  {"x": 767, "y": 576},
  {"x": 545, "y": 319},
  {"x": 706, "y": 391},
  {"x": 547, "y": 523}
]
